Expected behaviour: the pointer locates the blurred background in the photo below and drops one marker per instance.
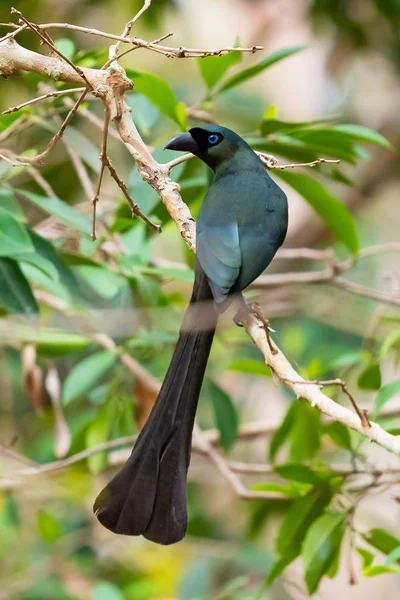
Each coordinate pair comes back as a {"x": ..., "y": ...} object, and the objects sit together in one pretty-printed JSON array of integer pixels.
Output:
[{"x": 132, "y": 287}]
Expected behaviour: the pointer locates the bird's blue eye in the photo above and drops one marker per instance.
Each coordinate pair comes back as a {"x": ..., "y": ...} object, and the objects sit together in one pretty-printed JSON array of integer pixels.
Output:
[{"x": 213, "y": 139}]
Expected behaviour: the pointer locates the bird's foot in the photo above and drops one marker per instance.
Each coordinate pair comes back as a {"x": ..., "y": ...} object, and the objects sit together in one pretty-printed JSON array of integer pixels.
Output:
[{"x": 256, "y": 310}]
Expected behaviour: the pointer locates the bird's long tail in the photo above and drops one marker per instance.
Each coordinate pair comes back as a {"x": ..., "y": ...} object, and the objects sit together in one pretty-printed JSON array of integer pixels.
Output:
[{"x": 148, "y": 495}]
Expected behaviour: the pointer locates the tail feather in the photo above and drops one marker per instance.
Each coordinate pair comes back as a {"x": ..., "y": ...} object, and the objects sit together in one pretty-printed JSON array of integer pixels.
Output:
[{"x": 148, "y": 495}]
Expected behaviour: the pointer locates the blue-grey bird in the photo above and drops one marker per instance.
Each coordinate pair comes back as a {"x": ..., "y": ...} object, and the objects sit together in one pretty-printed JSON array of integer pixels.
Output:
[{"x": 241, "y": 224}]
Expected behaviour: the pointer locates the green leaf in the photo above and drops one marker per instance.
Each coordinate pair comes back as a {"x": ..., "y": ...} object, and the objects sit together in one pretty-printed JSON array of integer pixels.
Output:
[
  {"x": 391, "y": 340},
  {"x": 262, "y": 509},
  {"x": 367, "y": 557},
  {"x": 375, "y": 570},
  {"x": 66, "y": 47},
  {"x": 48, "y": 527},
  {"x": 59, "y": 209},
  {"x": 51, "y": 342},
  {"x": 280, "y": 565},
  {"x": 393, "y": 556},
  {"x": 46, "y": 250},
  {"x": 85, "y": 374},
  {"x": 269, "y": 126},
  {"x": 321, "y": 546},
  {"x": 281, "y": 434},
  {"x": 385, "y": 394},
  {"x": 11, "y": 205},
  {"x": 157, "y": 91},
  {"x": 213, "y": 68},
  {"x": 182, "y": 115},
  {"x": 305, "y": 435},
  {"x": 276, "y": 487},
  {"x": 339, "y": 434},
  {"x": 13, "y": 236},
  {"x": 15, "y": 293},
  {"x": 302, "y": 514},
  {"x": 104, "y": 282},
  {"x": 370, "y": 378},
  {"x": 250, "y": 366},
  {"x": 336, "y": 216},
  {"x": 285, "y": 147},
  {"x": 297, "y": 472},
  {"x": 363, "y": 134},
  {"x": 382, "y": 540},
  {"x": 38, "y": 261},
  {"x": 259, "y": 67},
  {"x": 225, "y": 415}
]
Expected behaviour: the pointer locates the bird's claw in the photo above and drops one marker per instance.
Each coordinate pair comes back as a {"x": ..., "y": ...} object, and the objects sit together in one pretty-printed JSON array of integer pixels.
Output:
[{"x": 255, "y": 307}]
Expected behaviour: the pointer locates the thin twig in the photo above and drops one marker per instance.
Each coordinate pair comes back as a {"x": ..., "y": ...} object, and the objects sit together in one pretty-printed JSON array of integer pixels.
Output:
[
  {"x": 40, "y": 158},
  {"x": 130, "y": 24},
  {"x": 118, "y": 56},
  {"x": 103, "y": 165},
  {"x": 46, "y": 187},
  {"x": 53, "y": 94},
  {"x": 46, "y": 40},
  {"x": 170, "y": 52},
  {"x": 271, "y": 162},
  {"x": 362, "y": 414},
  {"x": 134, "y": 207}
]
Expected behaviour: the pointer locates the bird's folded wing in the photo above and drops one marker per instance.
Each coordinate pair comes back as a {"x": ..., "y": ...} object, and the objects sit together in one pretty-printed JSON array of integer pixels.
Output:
[{"x": 219, "y": 255}]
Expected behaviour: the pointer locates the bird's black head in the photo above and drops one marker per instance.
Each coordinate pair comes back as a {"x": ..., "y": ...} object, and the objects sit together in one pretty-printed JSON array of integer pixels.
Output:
[{"x": 212, "y": 144}]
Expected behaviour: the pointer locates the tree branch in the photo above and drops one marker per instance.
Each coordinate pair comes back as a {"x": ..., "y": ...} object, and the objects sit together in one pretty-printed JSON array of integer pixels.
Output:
[{"x": 110, "y": 85}]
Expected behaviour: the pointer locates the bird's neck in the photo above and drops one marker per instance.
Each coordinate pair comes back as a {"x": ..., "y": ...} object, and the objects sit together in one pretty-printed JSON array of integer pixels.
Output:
[{"x": 240, "y": 162}]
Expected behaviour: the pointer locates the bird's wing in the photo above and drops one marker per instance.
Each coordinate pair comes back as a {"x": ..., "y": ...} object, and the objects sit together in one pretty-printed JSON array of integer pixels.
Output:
[{"x": 219, "y": 254}]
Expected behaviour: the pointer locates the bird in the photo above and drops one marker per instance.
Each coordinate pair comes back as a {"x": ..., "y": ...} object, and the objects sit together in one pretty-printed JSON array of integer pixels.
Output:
[{"x": 241, "y": 224}]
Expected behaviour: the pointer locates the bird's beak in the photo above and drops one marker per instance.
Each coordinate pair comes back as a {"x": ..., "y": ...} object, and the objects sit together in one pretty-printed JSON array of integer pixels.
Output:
[{"x": 183, "y": 142}]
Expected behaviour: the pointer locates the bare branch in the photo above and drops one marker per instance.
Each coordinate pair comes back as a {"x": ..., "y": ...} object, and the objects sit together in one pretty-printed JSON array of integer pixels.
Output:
[
  {"x": 103, "y": 165},
  {"x": 54, "y": 48},
  {"x": 271, "y": 162},
  {"x": 53, "y": 94},
  {"x": 312, "y": 393},
  {"x": 167, "y": 51}
]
